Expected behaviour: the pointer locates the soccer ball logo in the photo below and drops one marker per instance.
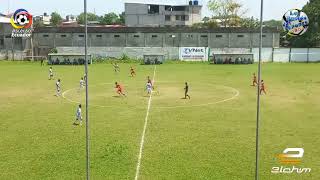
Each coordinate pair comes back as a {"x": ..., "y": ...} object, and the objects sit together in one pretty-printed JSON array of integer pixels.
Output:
[
  {"x": 21, "y": 19},
  {"x": 295, "y": 22}
]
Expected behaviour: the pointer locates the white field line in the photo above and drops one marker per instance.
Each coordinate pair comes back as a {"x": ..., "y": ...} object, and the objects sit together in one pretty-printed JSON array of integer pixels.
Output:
[{"x": 144, "y": 130}]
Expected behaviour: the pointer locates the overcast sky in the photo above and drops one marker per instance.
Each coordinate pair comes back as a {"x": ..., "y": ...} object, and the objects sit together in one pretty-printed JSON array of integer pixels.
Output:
[{"x": 274, "y": 9}]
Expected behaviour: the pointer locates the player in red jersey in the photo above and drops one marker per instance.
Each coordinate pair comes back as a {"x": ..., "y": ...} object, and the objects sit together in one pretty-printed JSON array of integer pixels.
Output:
[
  {"x": 132, "y": 72},
  {"x": 262, "y": 88},
  {"x": 119, "y": 89},
  {"x": 254, "y": 80}
]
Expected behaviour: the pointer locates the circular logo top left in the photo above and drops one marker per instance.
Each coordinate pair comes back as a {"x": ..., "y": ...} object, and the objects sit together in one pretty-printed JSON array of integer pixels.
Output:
[{"x": 21, "y": 19}]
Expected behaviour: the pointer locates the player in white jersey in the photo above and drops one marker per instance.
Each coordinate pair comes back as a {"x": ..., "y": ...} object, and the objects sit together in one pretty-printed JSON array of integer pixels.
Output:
[
  {"x": 50, "y": 73},
  {"x": 149, "y": 88},
  {"x": 58, "y": 87},
  {"x": 81, "y": 84},
  {"x": 78, "y": 115}
]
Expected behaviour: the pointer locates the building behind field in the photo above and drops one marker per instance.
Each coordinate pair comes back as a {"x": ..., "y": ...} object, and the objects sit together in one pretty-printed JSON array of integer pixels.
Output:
[
  {"x": 156, "y": 15},
  {"x": 12, "y": 48}
]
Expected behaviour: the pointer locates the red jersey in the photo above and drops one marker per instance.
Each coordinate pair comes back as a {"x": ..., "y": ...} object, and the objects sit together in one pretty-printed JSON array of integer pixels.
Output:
[{"x": 262, "y": 85}]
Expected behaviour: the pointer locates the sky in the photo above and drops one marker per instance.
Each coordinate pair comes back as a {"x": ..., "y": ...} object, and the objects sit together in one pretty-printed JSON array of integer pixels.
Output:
[{"x": 273, "y": 9}]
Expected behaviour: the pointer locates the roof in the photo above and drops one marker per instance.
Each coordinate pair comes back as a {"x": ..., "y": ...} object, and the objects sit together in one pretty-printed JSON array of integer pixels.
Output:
[
  {"x": 160, "y": 4},
  {"x": 153, "y": 30},
  {"x": 4, "y": 19}
]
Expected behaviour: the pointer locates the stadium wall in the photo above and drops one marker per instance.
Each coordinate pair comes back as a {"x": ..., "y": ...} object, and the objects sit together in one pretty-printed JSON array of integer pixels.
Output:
[
  {"x": 117, "y": 52},
  {"x": 172, "y": 53}
]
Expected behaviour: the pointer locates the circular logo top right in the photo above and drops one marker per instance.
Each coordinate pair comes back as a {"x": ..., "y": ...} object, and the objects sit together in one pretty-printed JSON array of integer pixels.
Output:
[{"x": 295, "y": 22}]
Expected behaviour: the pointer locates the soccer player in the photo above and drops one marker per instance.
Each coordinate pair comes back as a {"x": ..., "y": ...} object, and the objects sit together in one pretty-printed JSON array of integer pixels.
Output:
[
  {"x": 50, "y": 73},
  {"x": 58, "y": 87},
  {"x": 81, "y": 84},
  {"x": 132, "y": 72},
  {"x": 262, "y": 88},
  {"x": 116, "y": 67},
  {"x": 186, "y": 90},
  {"x": 150, "y": 81},
  {"x": 119, "y": 89},
  {"x": 84, "y": 77},
  {"x": 149, "y": 88},
  {"x": 254, "y": 80},
  {"x": 78, "y": 115}
]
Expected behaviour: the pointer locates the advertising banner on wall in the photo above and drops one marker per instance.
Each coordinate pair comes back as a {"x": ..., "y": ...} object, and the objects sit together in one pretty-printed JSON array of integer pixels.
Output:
[{"x": 193, "y": 54}]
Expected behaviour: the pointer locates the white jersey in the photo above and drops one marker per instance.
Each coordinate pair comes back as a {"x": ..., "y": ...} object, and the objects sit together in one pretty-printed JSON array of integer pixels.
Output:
[
  {"x": 149, "y": 85},
  {"x": 81, "y": 83},
  {"x": 79, "y": 112},
  {"x": 50, "y": 72},
  {"x": 58, "y": 85}
]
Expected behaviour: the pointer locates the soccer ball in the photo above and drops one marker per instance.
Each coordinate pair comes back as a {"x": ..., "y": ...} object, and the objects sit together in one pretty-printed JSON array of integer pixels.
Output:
[{"x": 22, "y": 19}]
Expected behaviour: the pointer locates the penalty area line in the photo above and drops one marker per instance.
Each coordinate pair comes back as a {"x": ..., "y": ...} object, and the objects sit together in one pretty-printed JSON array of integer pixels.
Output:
[{"x": 144, "y": 130}]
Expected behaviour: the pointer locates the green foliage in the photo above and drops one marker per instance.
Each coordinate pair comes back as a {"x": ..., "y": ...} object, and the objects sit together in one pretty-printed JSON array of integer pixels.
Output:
[
  {"x": 228, "y": 12},
  {"x": 112, "y": 18},
  {"x": 53, "y": 51},
  {"x": 124, "y": 57},
  {"x": 37, "y": 24},
  {"x": 312, "y": 37},
  {"x": 208, "y": 24},
  {"x": 56, "y": 19},
  {"x": 90, "y": 17},
  {"x": 249, "y": 22},
  {"x": 122, "y": 18}
]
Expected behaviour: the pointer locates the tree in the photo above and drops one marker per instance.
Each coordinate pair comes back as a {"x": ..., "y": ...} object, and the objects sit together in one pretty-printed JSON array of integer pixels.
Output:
[
  {"x": 122, "y": 18},
  {"x": 249, "y": 23},
  {"x": 209, "y": 24},
  {"x": 90, "y": 17},
  {"x": 56, "y": 19},
  {"x": 37, "y": 24},
  {"x": 228, "y": 12},
  {"x": 273, "y": 23},
  {"x": 110, "y": 18},
  {"x": 312, "y": 37}
]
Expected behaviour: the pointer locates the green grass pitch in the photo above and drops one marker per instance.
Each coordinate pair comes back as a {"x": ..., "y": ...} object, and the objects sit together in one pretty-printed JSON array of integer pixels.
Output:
[{"x": 211, "y": 136}]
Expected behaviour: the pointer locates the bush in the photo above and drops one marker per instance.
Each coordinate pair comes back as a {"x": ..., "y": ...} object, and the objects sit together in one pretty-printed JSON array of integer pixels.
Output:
[{"x": 53, "y": 51}]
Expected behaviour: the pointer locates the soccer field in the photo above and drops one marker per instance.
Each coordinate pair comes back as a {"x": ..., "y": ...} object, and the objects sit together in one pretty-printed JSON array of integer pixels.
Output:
[{"x": 210, "y": 136}]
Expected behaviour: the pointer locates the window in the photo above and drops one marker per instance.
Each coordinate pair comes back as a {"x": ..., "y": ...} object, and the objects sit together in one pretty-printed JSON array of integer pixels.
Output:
[
  {"x": 63, "y": 35},
  {"x": 185, "y": 18},
  {"x": 116, "y": 36},
  {"x": 204, "y": 36},
  {"x": 81, "y": 35},
  {"x": 153, "y": 9},
  {"x": 99, "y": 36},
  {"x": 180, "y": 8},
  {"x": 136, "y": 36},
  {"x": 172, "y": 36},
  {"x": 1, "y": 42},
  {"x": 45, "y": 35},
  {"x": 168, "y": 18},
  {"x": 8, "y": 36},
  {"x": 178, "y": 17},
  {"x": 240, "y": 36},
  {"x": 168, "y": 8},
  {"x": 154, "y": 36},
  {"x": 264, "y": 35},
  {"x": 219, "y": 36},
  {"x": 189, "y": 36}
]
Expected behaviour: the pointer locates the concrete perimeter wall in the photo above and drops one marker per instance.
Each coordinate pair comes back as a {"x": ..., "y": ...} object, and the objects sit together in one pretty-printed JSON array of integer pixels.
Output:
[{"x": 117, "y": 52}]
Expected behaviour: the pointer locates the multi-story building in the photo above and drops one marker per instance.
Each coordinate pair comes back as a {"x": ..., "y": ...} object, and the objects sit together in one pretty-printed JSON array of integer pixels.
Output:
[
  {"x": 45, "y": 18},
  {"x": 155, "y": 15}
]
